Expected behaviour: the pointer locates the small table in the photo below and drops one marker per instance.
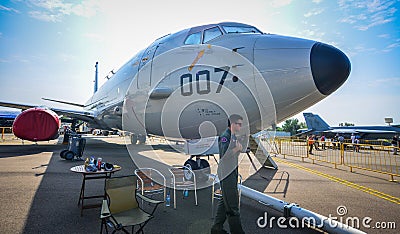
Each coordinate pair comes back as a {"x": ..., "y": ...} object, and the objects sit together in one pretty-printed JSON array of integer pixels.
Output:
[{"x": 100, "y": 174}]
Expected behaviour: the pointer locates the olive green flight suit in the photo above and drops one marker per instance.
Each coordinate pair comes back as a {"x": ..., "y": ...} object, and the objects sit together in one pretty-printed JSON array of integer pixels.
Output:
[{"x": 228, "y": 206}]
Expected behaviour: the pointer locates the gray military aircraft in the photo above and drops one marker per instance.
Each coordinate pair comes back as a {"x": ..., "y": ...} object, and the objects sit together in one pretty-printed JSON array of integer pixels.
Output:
[
  {"x": 316, "y": 125},
  {"x": 185, "y": 84}
]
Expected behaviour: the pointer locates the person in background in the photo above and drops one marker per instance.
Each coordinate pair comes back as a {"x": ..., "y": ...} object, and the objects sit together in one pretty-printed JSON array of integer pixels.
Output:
[
  {"x": 310, "y": 143},
  {"x": 357, "y": 144},
  {"x": 395, "y": 144},
  {"x": 341, "y": 141},
  {"x": 353, "y": 141},
  {"x": 334, "y": 140},
  {"x": 323, "y": 142},
  {"x": 316, "y": 142}
]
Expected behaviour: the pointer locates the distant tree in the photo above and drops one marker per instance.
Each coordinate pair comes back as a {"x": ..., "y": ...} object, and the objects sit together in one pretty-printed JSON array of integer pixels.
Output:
[
  {"x": 279, "y": 129},
  {"x": 292, "y": 125}
]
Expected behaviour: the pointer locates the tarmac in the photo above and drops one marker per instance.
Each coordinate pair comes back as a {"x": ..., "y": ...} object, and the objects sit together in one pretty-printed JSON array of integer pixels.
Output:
[{"x": 39, "y": 193}]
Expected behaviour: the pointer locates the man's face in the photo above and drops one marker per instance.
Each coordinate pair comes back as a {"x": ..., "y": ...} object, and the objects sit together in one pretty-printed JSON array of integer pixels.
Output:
[{"x": 237, "y": 125}]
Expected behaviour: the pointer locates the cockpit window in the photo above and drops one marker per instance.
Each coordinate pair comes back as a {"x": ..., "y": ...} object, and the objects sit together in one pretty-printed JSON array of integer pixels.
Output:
[
  {"x": 193, "y": 39},
  {"x": 211, "y": 33},
  {"x": 240, "y": 29}
]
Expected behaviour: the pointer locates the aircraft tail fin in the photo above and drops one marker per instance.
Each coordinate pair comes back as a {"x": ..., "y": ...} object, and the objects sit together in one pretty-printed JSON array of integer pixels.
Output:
[
  {"x": 96, "y": 77},
  {"x": 315, "y": 122}
]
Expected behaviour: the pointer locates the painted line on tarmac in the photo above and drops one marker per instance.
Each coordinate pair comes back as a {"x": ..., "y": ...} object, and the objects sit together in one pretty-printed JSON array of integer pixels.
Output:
[{"x": 373, "y": 192}]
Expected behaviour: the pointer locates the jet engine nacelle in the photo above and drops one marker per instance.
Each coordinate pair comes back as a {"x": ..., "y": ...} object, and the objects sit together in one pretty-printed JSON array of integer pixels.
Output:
[{"x": 37, "y": 124}]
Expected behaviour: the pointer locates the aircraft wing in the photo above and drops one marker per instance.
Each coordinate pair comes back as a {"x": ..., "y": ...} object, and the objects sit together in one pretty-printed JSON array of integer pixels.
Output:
[
  {"x": 374, "y": 131},
  {"x": 342, "y": 131},
  {"x": 360, "y": 131},
  {"x": 81, "y": 115},
  {"x": 16, "y": 105},
  {"x": 306, "y": 132}
]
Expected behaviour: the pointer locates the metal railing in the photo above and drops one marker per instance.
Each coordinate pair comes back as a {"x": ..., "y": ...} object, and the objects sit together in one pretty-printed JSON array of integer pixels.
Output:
[
  {"x": 381, "y": 159},
  {"x": 377, "y": 157},
  {"x": 327, "y": 151},
  {"x": 6, "y": 134}
]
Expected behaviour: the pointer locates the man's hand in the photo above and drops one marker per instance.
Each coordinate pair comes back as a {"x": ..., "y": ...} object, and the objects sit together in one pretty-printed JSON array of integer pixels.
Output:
[{"x": 238, "y": 147}]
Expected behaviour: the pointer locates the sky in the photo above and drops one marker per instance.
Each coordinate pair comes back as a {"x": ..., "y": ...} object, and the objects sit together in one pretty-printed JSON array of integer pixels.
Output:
[{"x": 49, "y": 48}]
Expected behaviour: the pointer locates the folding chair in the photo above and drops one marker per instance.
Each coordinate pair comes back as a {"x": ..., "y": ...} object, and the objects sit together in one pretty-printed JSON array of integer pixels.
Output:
[
  {"x": 216, "y": 192},
  {"x": 150, "y": 182},
  {"x": 179, "y": 181},
  {"x": 121, "y": 208}
]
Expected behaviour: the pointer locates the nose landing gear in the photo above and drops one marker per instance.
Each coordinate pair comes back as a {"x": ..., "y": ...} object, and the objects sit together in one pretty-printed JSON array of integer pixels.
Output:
[{"x": 200, "y": 166}]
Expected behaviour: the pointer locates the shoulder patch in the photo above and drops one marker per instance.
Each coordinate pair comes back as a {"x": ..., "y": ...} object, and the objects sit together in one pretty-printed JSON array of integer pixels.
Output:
[{"x": 224, "y": 139}]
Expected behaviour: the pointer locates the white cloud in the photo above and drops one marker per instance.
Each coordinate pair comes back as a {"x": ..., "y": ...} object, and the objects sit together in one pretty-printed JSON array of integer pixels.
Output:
[
  {"x": 351, "y": 19},
  {"x": 374, "y": 23},
  {"x": 392, "y": 46},
  {"x": 369, "y": 13},
  {"x": 342, "y": 3},
  {"x": 20, "y": 59},
  {"x": 66, "y": 57},
  {"x": 361, "y": 48},
  {"x": 317, "y": 1},
  {"x": 94, "y": 36},
  {"x": 4, "y": 8},
  {"x": 49, "y": 4},
  {"x": 314, "y": 34},
  {"x": 313, "y": 12},
  {"x": 392, "y": 81},
  {"x": 86, "y": 9},
  {"x": 280, "y": 3},
  {"x": 45, "y": 16},
  {"x": 384, "y": 36},
  {"x": 55, "y": 10}
]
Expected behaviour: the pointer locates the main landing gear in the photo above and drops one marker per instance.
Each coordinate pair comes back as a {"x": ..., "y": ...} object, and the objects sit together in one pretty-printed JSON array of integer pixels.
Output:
[
  {"x": 200, "y": 166},
  {"x": 138, "y": 139}
]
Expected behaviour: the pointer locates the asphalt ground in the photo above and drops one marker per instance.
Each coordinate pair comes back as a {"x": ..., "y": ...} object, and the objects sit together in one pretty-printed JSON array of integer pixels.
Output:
[{"x": 39, "y": 194}]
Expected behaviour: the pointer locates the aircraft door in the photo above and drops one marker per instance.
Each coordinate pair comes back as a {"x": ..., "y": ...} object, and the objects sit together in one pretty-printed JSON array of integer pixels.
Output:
[{"x": 145, "y": 67}]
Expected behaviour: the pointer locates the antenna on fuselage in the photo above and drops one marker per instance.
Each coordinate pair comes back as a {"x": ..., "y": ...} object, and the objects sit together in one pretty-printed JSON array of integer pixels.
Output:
[{"x": 96, "y": 77}]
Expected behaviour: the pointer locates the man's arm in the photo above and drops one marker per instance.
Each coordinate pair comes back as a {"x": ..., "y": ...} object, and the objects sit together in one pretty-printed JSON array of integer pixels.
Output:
[{"x": 223, "y": 145}]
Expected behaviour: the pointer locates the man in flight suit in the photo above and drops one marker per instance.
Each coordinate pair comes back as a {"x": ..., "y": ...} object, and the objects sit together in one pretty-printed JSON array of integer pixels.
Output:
[{"x": 228, "y": 206}]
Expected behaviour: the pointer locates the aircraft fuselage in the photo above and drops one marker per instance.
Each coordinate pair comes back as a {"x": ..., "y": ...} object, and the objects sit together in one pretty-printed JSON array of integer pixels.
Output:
[{"x": 268, "y": 75}]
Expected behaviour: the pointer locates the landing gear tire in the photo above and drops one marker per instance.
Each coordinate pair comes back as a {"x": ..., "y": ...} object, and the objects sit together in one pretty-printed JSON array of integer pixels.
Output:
[
  {"x": 204, "y": 164},
  {"x": 62, "y": 153},
  {"x": 69, "y": 155},
  {"x": 105, "y": 133},
  {"x": 192, "y": 165},
  {"x": 142, "y": 139},
  {"x": 134, "y": 139},
  {"x": 204, "y": 170}
]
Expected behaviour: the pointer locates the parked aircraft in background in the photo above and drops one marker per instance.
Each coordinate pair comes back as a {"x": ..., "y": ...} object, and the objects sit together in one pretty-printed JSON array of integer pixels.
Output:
[
  {"x": 296, "y": 73},
  {"x": 7, "y": 118},
  {"x": 316, "y": 125}
]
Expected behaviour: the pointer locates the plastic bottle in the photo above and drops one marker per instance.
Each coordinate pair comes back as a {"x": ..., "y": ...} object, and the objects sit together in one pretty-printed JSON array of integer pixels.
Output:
[
  {"x": 168, "y": 200},
  {"x": 99, "y": 161},
  {"x": 91, "y": 162},
  {"x": 186, "y": 193},
  {"x": 86, "y": 163}
]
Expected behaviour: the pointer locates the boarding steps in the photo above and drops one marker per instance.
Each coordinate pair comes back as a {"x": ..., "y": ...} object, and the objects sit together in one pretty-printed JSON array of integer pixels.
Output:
[{"x": 260, "y": 152}]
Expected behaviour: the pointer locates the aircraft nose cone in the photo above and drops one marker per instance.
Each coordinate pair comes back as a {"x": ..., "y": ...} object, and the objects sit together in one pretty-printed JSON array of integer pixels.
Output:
[{"x": 330, "y": 67}]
